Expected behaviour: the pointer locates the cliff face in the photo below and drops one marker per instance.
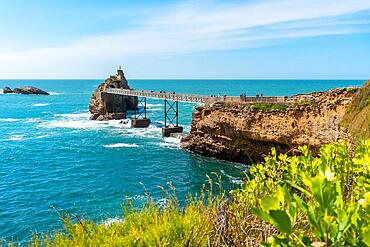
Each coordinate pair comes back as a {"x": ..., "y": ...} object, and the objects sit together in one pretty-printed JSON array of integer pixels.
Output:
[
  {"x": 107, "y": 106},
  {"x": 244, "y": 132}
]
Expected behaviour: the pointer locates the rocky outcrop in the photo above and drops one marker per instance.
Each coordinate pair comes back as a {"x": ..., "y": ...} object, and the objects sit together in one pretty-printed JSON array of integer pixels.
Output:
[
  {"x": 25, "y": 90},
  {"x": 7, "y": 90},
  {"x": 107, "y": 106},
  {"x": 245, "y": 132}
]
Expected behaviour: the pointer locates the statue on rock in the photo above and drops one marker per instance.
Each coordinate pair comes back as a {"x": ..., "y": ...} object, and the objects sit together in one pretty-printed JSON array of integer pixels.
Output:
[{"x": 108, "y": 106}]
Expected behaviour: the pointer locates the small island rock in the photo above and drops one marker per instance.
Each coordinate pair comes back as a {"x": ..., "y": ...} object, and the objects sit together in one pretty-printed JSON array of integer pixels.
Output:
[
  {"x": 29, "y": 90},
  {"x": 7, "y": 90},
  {"x": 108, "y": 106}
]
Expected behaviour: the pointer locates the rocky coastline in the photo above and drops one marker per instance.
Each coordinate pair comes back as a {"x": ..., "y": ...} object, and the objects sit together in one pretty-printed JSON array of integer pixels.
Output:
[
  {"x": 246, "y": 132},
  {"x": 104, "y": 106}
]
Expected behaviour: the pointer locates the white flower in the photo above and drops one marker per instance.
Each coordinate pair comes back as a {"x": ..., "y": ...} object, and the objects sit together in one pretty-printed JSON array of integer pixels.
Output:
[
  {"x": 329, "y": 175},
  {"x": 361, "y": 201}
]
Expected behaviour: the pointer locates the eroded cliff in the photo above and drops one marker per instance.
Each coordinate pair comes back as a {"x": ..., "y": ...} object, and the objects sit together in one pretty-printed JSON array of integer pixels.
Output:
[{"x": 245, "y": 132}]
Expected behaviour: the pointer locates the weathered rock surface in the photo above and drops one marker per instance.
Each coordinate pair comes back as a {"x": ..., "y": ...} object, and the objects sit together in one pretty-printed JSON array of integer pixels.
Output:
[
  {"x": 25, "y": 90},
  {"x": 242, "y": 133},
  {"x": 107, "y": 106},
  {"x": 7, "y": 90}
]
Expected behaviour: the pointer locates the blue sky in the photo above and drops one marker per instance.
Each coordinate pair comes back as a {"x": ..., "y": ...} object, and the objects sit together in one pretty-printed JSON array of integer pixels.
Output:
[{"x": 185, "y": 39}]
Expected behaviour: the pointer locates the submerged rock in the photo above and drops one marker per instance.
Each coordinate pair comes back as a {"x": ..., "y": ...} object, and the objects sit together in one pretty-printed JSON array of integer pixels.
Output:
[
  {"x": 29, "y": 90},
  {"x": 7, "y": 90},
  {"x": 107, "y": 106}
]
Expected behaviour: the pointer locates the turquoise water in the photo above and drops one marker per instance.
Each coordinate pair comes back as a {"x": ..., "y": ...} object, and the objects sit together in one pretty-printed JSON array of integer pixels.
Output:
[{"x": 52, "y": 155}]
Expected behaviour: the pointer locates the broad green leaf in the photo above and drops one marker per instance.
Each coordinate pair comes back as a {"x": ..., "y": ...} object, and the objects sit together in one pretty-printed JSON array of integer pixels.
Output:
[
  {"x": 301, "y": 204},
  {"x": 281, "y": 220},
  {"x": 270, "y": 203},
  {"x": 262, "y": 214},
  {"x": 366, "y": 235}
]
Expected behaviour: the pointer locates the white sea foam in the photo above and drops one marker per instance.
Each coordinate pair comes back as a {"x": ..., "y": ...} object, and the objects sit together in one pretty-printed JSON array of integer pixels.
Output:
[
  {"x": 153, "y": 105},
  {"x": 121, "y": 145},
  {"x": 42, "y": 136},
  {"x": 40, "y": 104},
  {"x": 9, "y": 119},
  {"x": 14, "y": 138},
  {"x": 154, "y": 109},
  {"x": 162, "y": 203},
  {"x": 174, "y": 140},
  {"x": 170, "y": 142},
  {"x": 32, "y": 120},
  {"x": 159, "y": 123},
  {"x": 151, "y": 132},
  {"x": 74, "y": 115},
  {"x": 54, "y": 93},
  {"x": 111, "y": 221},
  {"x": 71, "y": 120},
  {"x": 232, "y": 179},
  {"x": 78, "y": 124}
]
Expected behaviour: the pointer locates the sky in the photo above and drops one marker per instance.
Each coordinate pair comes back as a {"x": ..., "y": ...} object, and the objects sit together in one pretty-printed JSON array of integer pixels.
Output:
[{"x": 234, "y": 39}]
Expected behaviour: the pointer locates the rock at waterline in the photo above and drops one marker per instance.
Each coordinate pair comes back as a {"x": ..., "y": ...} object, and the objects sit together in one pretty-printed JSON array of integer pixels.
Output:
[
  {"x": 25, "y": 90},
  {"x": 7, "y": 90}
]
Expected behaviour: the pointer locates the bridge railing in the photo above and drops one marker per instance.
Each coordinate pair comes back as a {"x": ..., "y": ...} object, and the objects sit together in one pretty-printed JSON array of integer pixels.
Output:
[
  {"x": 158, "y": 95},
  {"x": 248, "y": 99},
  {"x": 194, "y": 98}
]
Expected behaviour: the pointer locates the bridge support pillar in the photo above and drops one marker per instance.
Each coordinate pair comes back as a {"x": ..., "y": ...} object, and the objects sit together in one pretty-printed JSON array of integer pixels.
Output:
[
  {"x": 168, "y": 131},
  {"x": 171, "y": 119},
  {"x": 140, "y": 120},
  {"x": 140, "y": 123}
]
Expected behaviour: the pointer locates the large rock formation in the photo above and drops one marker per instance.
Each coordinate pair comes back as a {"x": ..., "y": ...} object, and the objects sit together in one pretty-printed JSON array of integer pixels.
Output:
[
  {"x": 25, "y": 90},
  {"x": 107, "y": 106},
  {"x": 244, "y": 132}
]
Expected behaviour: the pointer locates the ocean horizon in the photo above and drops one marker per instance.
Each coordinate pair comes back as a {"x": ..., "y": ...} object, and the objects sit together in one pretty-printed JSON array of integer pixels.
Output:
[{"x": 53, "y": 156}]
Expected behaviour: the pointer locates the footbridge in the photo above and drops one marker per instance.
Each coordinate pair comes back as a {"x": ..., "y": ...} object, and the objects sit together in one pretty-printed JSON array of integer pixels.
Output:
[{"x": 171, "y": 105}]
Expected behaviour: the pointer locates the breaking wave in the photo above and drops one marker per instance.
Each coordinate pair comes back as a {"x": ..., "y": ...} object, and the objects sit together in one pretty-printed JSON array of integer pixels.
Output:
[
  {"x": 9, "y": 119},
  {"x": 14, "y": 138},
  {"x": 121, "y": 145},
  {"x": 40, "y": 104},
  {"x": 54, "y": 93}
]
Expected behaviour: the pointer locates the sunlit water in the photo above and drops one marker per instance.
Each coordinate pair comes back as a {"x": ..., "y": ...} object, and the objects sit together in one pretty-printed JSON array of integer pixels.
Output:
[{"x": 53, "y": 156}]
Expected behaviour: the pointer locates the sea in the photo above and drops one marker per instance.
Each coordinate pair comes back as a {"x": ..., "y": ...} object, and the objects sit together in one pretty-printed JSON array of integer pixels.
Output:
[{"x": 54, "y": 159}]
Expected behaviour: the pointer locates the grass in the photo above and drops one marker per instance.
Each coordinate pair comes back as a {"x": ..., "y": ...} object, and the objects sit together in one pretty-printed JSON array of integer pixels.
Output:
[
  {"x": 312, "y": 103},
  {"x": 268, "y": 107}
]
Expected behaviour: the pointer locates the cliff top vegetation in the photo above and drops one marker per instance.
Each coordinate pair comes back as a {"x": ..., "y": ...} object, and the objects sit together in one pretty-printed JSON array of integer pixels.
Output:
[{"x": 357, "y": 117}]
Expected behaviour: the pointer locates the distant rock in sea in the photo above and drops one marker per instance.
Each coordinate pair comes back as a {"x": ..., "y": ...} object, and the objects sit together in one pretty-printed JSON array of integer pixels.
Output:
[
  {"x": 7, "y": 90},
  {"x": 25, "y": 90}
]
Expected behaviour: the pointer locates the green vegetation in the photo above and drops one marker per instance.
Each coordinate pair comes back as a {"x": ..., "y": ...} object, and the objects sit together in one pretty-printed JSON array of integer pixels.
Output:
[
  {"x": 312, "y": 103},
  {"x": 357, "y": 117},
  {"x": 285, "y": 201},
  {"x": 268, "y": 107}
]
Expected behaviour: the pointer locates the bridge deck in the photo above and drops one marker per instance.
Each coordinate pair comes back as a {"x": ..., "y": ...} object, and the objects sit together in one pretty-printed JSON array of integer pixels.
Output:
[{"x": 195, "y": 98}]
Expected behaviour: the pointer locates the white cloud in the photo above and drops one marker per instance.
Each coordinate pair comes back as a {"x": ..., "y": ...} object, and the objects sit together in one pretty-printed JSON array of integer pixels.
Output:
[{"x": 192, "y": 27}]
